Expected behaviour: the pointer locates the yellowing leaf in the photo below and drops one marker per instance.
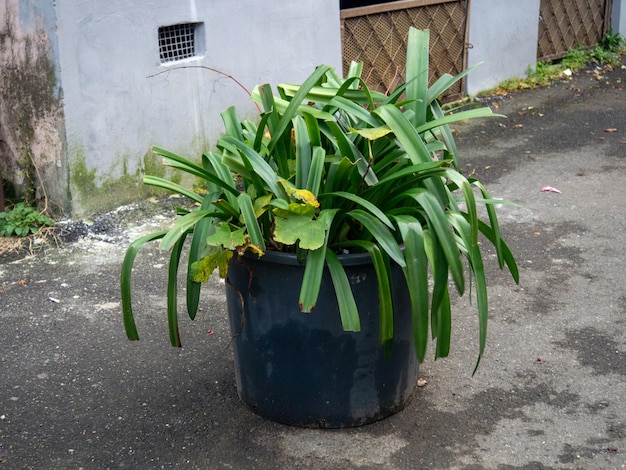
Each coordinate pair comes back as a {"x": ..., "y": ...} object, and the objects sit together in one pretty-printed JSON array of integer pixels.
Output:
[
  {"x": 303, "y": 195},
  {"x": 200, "y": 271},
  {"x": 373, "y": 133},
  {"x": 260, "y": 204}
]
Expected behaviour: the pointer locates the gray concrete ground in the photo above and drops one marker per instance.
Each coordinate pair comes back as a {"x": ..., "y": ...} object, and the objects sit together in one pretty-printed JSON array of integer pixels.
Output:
[{"x": 550, "y": 393}]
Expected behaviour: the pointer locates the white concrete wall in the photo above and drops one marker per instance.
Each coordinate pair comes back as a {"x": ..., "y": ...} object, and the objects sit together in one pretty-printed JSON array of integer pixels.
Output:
[
  {"x": 503, "y": 34},
  {"x": 618, "y": 17},
  {"x": 108, "y": 50}
]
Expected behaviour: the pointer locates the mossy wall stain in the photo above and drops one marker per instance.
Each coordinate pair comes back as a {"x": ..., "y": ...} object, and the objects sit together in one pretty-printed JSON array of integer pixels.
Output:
[
  {"x": 96, "y": 192},
  {"x": 31, "y": 116}
]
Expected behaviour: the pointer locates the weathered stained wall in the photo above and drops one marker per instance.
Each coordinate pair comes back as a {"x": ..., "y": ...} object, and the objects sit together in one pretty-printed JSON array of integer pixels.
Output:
[
  {"x": 116, "y": 106},
  {"x": 31, "y": 117},
  {"x": 503, "y": 35},
  {"x": 618, "y": 17}
]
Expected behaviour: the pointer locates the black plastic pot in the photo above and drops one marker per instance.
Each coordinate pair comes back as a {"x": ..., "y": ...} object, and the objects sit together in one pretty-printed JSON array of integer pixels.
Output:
[{"x": 303, "y": 369}]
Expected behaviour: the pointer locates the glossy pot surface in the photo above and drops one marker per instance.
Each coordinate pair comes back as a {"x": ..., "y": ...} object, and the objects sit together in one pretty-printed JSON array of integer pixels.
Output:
[{"x": 302, "y": 368}]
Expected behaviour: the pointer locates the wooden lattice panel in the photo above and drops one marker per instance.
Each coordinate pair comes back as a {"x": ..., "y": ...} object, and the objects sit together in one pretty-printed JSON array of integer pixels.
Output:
[
  {"x": 566, "y": 24},
  {"x": 377, "y": 37}
]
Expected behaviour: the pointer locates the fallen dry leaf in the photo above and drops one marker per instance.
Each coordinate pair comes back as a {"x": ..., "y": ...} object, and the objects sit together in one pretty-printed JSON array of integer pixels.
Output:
[
  {"x": 21, "y": 282},
  {"x": 518, "y": 126},
  {"x": 421, "y": 382},
  {"x": 610, "y": 129},
  {"x": 550, "y": 189}
]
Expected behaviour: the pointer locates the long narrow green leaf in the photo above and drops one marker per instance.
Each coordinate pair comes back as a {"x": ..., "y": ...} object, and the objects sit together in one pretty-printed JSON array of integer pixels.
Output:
[
  {"x": 187, "y": 166},
  {"x": 406, "y": 134},
  {"x": 314, "y": 180},
  {"x": 201, "y": 231},
  {"x": 445, "y": 81},
  {"x": 348, "y": 310},
  {"x": 446, "y": 134},
  {"x": 182, "y": 225},
  {"x": 444, "y": 326},
  {"x": 296, "y": 101},
  {"x": 356, "y": 111},
  {"x": 170, "y": 186},
  {"x": 314, "y": 268},
  {"x": 325, "y": 95},
  {"x": 259, "y": 165},
  {"x": 417, "y": 73},
  {"x": 347, "y": 149},
  {"x": 125, "y": 281},
  {"x": 460, "y": 116},
  {"x": 476, "y": 265},
  {"x": 303, "y": 151},
  {"x": 470, "y": 203},
  {"x": 232, "y": 124},
  {"x": 507, "y": 255},
  {"x": 250, "y": 220},
  {"x": 383, "y": 277},
  {"x": 443, "y": 232},
  {"x": 416, "y": 274},
  {"x": 493, "y": 220},
  {"x": 380, "y": 215},
  {"x": 172, "y": 292},
  {"x": 381, "y": 233}
]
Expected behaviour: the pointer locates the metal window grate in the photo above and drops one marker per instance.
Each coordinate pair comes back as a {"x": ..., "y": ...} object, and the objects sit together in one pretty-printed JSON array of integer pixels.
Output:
[{"x": 177, "y": 42}]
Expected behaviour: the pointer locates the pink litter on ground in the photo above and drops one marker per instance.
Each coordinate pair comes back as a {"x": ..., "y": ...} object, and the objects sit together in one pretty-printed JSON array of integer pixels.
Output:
[{"x": 550, "y": 189}]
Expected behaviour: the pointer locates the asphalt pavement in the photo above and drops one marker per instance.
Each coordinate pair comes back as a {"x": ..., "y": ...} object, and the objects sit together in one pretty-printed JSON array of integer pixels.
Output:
[{"x": 550, "y": 392}]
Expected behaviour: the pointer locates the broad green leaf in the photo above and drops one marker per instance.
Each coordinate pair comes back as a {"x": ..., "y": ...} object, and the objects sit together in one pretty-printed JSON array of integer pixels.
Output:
[
  {"x": 223, "y": 236},
  {"x": 311, "y": 233}
]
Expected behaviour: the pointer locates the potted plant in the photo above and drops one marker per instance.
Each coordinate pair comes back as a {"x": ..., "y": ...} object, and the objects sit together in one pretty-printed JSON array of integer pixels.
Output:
[{"x": 339, "y": 202}]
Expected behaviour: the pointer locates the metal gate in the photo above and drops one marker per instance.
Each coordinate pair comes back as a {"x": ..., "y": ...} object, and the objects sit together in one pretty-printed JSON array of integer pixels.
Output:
[
  {"x": 376, "y": 35},
  {"x": 566, "y": 24}
]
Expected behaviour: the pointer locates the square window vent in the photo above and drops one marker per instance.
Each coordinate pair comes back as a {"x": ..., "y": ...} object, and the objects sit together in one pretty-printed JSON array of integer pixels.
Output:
[{"x": 178, "y": 41}]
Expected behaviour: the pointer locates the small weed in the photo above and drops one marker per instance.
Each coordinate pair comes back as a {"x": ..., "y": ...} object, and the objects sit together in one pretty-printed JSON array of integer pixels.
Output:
[
  {"x": 613, "y": 42},
  {"x": 22, "y": 221}
]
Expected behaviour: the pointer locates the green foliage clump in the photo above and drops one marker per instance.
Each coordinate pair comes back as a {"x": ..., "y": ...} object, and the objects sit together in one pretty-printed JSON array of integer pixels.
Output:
[{"x": 22, "y": 221}]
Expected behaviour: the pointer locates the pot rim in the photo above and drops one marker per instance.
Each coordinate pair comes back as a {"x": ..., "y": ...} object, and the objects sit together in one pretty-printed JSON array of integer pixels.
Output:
[{"x": 290, "y": 259}]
